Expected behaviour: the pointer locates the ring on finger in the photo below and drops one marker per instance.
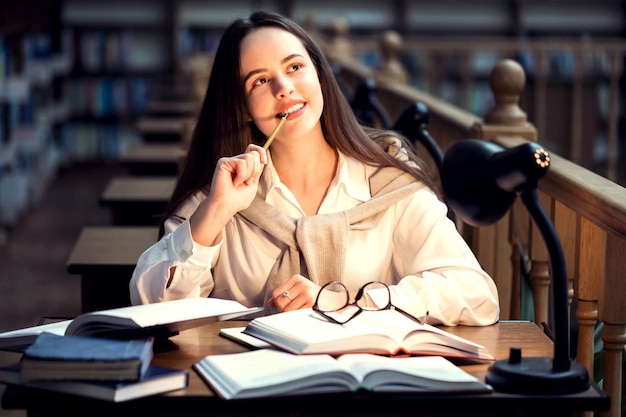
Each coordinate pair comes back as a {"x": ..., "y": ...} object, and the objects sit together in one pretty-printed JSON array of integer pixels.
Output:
[{"x": 286, "y": 294}]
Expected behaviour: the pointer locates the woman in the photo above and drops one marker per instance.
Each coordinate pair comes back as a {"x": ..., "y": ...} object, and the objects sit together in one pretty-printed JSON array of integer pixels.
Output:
[{"x": 270, "y": 227}]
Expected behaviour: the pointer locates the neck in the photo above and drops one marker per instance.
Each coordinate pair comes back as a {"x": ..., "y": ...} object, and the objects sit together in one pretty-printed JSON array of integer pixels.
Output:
[
  {"x": 307, "y": 169},
  {"x": 303, "y": 160}
]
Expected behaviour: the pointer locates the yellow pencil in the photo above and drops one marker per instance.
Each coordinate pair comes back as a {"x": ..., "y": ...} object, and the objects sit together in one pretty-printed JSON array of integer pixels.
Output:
[{"x": 271, "y": 137}]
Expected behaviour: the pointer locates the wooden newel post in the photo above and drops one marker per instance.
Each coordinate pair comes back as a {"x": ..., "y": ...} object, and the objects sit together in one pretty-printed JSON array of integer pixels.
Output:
[
  {"x": 391, "y": 71},
  {"x": 506, "y": 118},
  {"x": 507, "y": 81},
  {"x": 338, "y": 46}
]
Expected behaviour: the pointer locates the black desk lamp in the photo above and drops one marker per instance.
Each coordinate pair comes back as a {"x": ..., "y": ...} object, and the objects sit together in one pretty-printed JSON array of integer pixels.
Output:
[{"x": 480, "y": 181}]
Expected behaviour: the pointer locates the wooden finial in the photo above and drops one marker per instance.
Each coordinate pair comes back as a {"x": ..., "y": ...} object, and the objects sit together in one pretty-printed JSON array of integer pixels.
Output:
[
  {"x": 339, "y": 46},
  {"x": 391, "y": 70},
  {"x": 507, "y": 81}
]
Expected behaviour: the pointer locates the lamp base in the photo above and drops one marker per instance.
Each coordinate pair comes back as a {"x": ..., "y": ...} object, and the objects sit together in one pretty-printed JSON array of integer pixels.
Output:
[{"x": 536, "y": 376}]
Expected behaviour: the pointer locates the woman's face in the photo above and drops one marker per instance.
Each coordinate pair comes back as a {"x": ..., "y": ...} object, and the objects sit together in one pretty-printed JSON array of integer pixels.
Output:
[{"x": 279, "y": 77}]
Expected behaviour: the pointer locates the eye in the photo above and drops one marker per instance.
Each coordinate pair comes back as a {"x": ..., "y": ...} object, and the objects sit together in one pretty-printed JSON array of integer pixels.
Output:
[
  {"x": 260, "y": 81},
  {"x": 294, "y": 67}
]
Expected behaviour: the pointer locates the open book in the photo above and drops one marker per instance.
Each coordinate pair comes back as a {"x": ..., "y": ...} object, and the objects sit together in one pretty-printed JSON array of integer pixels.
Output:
[
  {"x": 159, "y": 320},
  {"x": 385, "y": 332},
  {"x": 268, "y": 372}
]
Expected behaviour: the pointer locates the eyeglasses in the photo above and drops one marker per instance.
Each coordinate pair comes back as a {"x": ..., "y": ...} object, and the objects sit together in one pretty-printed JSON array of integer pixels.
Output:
[{"x": 333, "y": 302}]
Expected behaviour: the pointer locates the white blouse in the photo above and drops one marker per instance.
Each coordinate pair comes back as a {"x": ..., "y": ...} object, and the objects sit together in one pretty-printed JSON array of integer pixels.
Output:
[{"x": 414, "y": 247}]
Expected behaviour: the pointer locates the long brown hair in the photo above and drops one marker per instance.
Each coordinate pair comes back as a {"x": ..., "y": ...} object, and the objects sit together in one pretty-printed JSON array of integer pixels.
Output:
[{"x": 222, "y": 128}]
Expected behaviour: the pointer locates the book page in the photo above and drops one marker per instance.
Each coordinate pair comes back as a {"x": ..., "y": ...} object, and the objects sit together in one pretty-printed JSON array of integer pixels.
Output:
[
  {"x": 386, "y": 322},
  {"x": 236, "y": 334},
  {"x": 267, "y": 372},
  {"x": 148, "y": 315},
  {"x": 419, "y": 370},
  {"x": 55, "y": 328},
  {"x": 381, "y": 332},
  {"x": 414, "y": 337},
  {"x": 304, "y": 331},
  {"x": 20, "y": 339}
]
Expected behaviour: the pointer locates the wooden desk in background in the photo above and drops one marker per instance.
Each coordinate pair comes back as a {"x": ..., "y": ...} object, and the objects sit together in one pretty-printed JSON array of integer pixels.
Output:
[
  {"x": 171, "y": 108},
  {"x": 197, "y": 399},
  {"x": 162, "y": 129},
  {"x": 137, "y": 201},
  {"x": 105, "y": 258},
  {"x": 152, "y": 158}
]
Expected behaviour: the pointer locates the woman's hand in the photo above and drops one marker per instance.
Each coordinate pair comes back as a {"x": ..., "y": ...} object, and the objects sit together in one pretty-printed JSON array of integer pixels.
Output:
[
  {"x": 234, "y": 186},
  {"x": 236, "y": 179},
  {"x": 295, "y": 293}
]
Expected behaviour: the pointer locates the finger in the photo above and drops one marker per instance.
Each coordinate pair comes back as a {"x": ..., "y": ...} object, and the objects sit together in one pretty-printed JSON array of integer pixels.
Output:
[
  {"x": 258, "y": 149},
  {"x": 239, "y": 170},
  {"x": 282, "y": 297},
  {"x": 245, "y": 164},
  {"x": 295, "y": 304},
  {"x": 253, "y": 165},
  {"x": 256, "y": 171}
]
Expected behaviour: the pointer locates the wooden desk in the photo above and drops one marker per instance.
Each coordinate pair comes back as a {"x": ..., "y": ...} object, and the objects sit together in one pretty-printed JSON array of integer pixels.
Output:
[
  {"x": 105, "y": 258},
  {"x": 171, "y": 108},
  {"x": 161, "y": 128},
  {"x": 197, "y": 399},
  {"x": 152, "y": 158},
  {"x": 137, "y": 201}
]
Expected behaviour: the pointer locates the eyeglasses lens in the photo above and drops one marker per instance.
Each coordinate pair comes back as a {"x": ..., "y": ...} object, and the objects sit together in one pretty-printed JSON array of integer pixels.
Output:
[
  {"x": 365, "y": 302},
  {"x": 332, "y": 297}
]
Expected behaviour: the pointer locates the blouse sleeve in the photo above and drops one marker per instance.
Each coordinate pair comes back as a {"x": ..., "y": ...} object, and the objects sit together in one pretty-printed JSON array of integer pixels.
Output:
[
  {"x": 178, "y": 256},
  {"x": 440, "y": 274}
]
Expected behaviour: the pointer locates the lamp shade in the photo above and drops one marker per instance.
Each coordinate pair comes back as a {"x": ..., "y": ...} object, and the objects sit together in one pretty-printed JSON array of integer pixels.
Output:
[{"x": 480, "y": 179}]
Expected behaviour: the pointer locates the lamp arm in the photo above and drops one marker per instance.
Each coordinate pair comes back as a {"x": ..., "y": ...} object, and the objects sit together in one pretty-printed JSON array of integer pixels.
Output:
[{"x": 530, "y": 200}]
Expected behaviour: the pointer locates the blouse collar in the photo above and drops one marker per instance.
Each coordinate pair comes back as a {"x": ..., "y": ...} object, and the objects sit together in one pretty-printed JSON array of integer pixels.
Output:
[{"x": 352, "y": 178}]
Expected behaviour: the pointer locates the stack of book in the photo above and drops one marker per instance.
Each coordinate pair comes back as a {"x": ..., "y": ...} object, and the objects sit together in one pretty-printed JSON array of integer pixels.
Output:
[
  {"x": 106, "y": 354},
  {"x": 107, "y": 369}
]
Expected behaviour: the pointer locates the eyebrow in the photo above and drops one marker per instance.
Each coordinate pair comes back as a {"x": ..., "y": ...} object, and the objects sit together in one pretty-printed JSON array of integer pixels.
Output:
[{"x": 282, "y": 62}]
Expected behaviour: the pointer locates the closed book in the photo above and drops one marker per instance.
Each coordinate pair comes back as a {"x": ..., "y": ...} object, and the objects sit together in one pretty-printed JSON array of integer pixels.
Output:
[
  {"x": 54, "y": 357},
  {"x": 156, "y": 380}
]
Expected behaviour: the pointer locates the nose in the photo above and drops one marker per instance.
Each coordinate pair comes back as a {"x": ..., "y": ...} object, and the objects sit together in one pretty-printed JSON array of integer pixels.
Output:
[{"x": 283, "y": 86}]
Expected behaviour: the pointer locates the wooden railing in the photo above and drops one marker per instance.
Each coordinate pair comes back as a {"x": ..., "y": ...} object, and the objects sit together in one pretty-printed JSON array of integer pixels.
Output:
[
  {"x": 588, "y": 211},
  {"x": 573, "y": 98}
]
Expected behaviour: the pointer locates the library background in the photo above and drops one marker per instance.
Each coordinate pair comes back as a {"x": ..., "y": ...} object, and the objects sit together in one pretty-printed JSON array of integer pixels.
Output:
[{"x": 83, "y": 82}]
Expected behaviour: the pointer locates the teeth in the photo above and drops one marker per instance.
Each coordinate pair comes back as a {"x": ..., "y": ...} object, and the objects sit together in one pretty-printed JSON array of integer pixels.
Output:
[{"x": 293, "y": 108}]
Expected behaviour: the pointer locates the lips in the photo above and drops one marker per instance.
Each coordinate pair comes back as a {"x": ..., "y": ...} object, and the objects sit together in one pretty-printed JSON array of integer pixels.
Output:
[{"x": 291, "y": 109}]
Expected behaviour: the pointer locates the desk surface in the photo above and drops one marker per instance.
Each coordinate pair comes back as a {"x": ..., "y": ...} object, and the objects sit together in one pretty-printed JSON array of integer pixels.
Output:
[
  {"x": 153, "y": 158},
  {"x": 152, "y": 153},
  {"x": 99, "y": 247},
  {"x": 105, "y": 257},
  {"x": 138, "y": 189},
  {"x": 187, "y": 348},
  {"x": 163, "y": 125},
  {"x": 171, "y": 107}
]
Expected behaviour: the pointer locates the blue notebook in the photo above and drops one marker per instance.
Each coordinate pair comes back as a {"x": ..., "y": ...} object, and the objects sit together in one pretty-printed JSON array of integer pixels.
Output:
[{"x": 55, "y": 357}]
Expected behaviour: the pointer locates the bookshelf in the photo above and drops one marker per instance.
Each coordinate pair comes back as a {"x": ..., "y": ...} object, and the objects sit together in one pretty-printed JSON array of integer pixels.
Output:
[
  {"x": 120, "y": 50},
  {"x": 32, "y": 61}
]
